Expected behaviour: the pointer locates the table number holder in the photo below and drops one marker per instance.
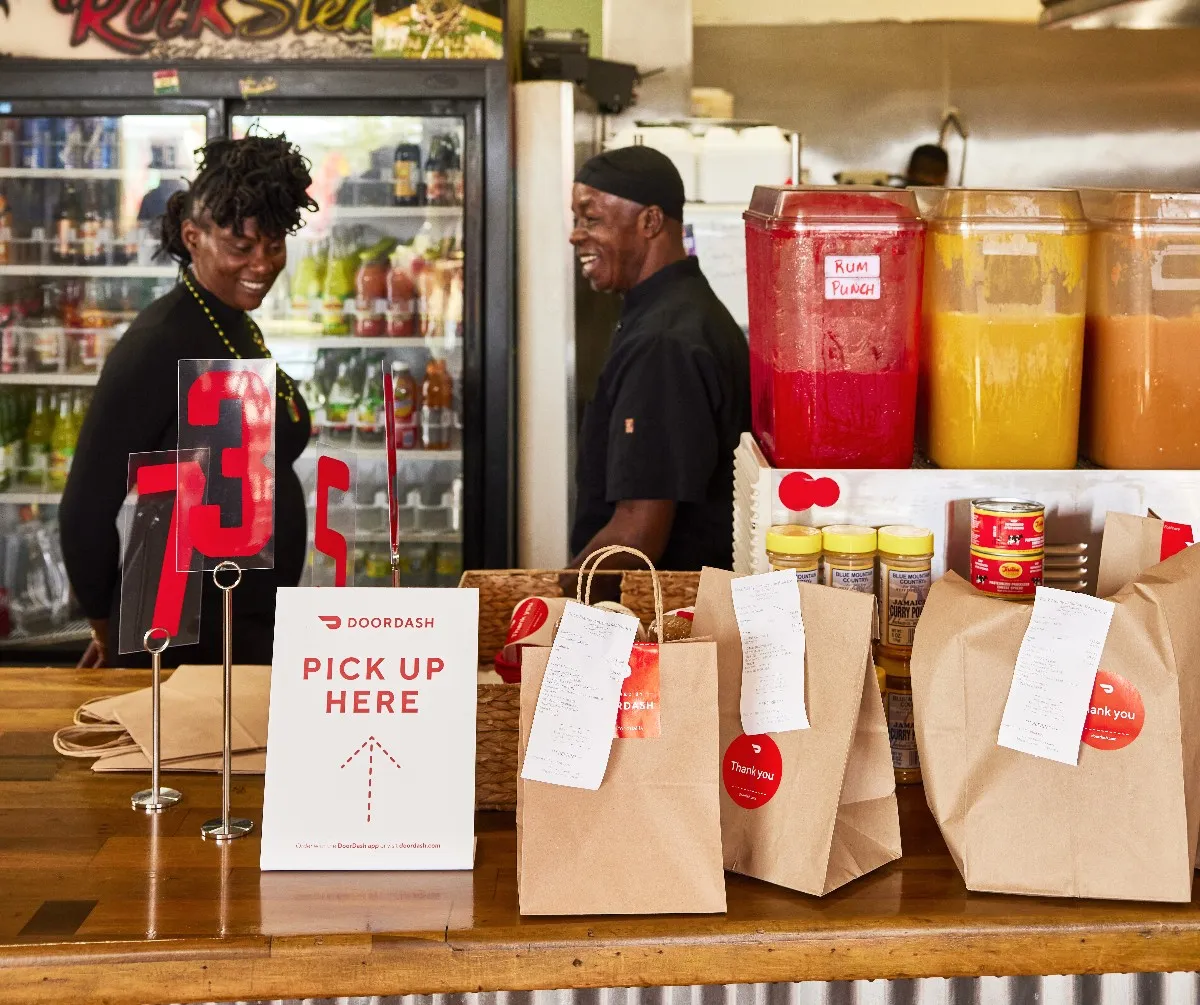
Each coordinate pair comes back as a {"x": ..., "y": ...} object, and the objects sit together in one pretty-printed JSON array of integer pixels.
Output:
[
  {"x": 226, "y": 827},
  {"x": 156, "y": 798}
]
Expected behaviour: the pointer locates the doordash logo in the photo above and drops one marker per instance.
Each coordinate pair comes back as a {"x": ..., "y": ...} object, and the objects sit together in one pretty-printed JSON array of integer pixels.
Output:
[{"x": 331, "y": 621}]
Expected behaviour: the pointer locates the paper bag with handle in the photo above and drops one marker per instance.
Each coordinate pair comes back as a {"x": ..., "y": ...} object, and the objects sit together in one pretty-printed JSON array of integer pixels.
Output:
[
  {"x": 1121, "y": 823},
  {"x": 637, "y": 725},
  {"x": 830, "y": 815}
]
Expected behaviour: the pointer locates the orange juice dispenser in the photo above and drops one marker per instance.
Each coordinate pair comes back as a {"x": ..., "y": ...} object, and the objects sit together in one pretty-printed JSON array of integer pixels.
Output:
[
  {"x": 1141, "y": 389},
  {"x": 1002, "y": 353}
]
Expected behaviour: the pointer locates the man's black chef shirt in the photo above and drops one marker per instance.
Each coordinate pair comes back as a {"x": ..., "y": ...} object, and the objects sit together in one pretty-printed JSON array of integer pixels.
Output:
[
  {"x": 135, "y": 409},
  {"x": 672, "y": 401}
]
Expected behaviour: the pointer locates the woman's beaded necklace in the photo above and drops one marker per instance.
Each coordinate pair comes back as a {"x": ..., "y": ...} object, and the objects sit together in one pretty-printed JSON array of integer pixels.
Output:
[{"x": 287, "y": 395}]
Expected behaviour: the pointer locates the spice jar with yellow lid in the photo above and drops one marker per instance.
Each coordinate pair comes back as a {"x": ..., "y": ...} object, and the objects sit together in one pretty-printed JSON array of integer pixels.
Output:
[
  {"x": 792, "y": 546},
  {"x": 905, "y": 575},
  {"x": 848, "y": 557},
  {"x": 898, "y": 707}
]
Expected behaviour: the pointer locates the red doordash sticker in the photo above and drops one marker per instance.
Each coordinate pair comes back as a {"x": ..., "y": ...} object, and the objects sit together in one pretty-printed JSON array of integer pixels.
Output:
[
  {"x": 752, "y": 770},
  {"x": 638, "y": 714},
  {"x": 529, "y": 616},
  {"x": 1116, "y": 714},
  {"x": 1176, "y": 537}
]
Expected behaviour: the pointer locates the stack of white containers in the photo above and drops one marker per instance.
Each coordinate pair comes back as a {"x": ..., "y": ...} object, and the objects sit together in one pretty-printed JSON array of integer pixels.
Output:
[{"x": 721, "y": 166}]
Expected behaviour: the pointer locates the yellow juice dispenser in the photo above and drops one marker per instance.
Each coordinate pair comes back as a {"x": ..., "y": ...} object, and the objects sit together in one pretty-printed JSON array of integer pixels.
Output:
[
  {"x": 1002, "y": 349},
  {"x": 1141, "y": 390}
]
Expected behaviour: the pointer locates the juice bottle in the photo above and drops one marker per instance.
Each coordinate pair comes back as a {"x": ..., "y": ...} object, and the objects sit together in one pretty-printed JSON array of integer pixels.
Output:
[
  {"x": 37, "y": 440},
  {"x": 401, "y": 295},
  {"x": 437, "y": 412},
  {"x": 405, "y": 407},
  {"x": 370, "y": 404},
  {"x": 338, "y": 289},
  {"x": 62, "y": 445},
  {"x": 371, "y": 296},
  {"x": 340, "y": 406}
]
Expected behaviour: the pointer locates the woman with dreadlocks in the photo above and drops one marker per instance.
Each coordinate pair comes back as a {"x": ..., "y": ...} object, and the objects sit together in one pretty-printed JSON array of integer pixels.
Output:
[{"x": 227, "y": 232}]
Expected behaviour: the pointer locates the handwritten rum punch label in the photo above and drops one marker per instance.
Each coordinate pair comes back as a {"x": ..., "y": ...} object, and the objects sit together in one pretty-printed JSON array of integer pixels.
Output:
[
  {"x": 767, "y": 608},
  {"x": 1050, "y": 696},
  {"x": 572, "y": 732}
]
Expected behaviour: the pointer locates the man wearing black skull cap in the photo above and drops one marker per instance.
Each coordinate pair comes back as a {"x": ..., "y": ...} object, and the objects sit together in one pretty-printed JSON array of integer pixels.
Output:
[{"x": 655, "y": 468}]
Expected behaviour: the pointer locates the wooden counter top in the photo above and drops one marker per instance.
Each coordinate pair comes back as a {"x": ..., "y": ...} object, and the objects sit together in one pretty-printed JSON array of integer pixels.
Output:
[{"x": 101, "y": 904}]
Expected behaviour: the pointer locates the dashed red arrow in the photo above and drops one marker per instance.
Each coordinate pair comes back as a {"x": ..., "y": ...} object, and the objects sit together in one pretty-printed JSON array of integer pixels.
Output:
[{"x": 370, "y": 745}]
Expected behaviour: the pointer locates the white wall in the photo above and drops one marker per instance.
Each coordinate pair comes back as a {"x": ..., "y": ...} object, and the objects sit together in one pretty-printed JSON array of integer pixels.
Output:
[{"x": 718, "y": 12}]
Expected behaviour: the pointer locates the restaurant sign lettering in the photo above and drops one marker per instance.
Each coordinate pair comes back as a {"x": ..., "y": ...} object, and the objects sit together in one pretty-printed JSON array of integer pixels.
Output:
[{"x": 167, "y": 30}]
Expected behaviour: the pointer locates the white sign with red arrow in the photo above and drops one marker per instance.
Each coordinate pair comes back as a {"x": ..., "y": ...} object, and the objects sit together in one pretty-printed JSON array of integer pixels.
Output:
[{"x": 371, "y": 738}]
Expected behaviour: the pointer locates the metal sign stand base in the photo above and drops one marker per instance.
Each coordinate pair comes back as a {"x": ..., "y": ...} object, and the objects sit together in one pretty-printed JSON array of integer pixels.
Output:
[
  {"x": 156, "y": 798},
  {"x": 227, "y": 828}
]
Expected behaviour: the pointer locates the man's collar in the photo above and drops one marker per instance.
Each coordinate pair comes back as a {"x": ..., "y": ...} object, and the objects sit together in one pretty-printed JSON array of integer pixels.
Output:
[{"x": 652, "y": 286}]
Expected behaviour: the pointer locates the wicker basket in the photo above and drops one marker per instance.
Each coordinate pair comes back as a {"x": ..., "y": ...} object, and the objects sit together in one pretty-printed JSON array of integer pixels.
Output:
[{"x": 500, "y": 590}]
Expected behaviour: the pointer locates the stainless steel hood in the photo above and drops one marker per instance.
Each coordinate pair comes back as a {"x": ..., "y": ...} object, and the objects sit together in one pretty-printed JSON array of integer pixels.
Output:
[{"x": 1120, "y": 14}]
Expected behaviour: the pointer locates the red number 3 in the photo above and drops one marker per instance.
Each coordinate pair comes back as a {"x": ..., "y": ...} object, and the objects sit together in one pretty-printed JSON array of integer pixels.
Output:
[{"x": 247, "y": 462}]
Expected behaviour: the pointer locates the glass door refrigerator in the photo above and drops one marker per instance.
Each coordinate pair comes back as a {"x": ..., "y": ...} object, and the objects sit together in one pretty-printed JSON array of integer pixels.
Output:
[
  {"x": 379, "y": 276},
  {"x": 80, "y": 188}
]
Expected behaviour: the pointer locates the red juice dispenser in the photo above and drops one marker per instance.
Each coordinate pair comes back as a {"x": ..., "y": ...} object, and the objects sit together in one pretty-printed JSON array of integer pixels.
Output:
[{"x": 834, "y": 278}]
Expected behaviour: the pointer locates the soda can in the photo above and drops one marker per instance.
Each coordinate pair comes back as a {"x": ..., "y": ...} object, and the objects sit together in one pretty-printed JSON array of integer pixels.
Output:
[
  {"x": 36, "y": 142},
  {"x": 1008, "y": 525},
  {"x": 110, "y": 144},
  {"x": 10, "y": 129},
  {"x": 1009, "y": 574}
]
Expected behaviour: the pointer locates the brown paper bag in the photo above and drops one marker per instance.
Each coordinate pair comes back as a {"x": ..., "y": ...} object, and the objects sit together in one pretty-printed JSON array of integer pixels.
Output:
[
  {"x": 834, "y": 816},
  {"x": 1131, "y": 545},
  {"x": 648, "y": 841},
  {"x": 192, "y": 720},
  {"x": 1123, "y": 823}
]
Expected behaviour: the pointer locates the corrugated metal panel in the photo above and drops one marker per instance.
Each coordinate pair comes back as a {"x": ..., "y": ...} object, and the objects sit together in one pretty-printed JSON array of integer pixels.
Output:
[{"x": 1106, "y": 989}]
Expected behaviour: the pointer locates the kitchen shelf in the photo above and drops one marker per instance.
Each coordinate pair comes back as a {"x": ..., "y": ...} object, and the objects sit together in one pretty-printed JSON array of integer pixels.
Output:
[
  {"x": 93, "y": 271},
  {"x": 29, "y": 497},
  {"x": 369, "y": 213},
  {"x": 51, "y": 379},
  {"x": 87, "y": 174},
  {"x": 380, "y": 453},
  {"x": 71, "y": 632}
]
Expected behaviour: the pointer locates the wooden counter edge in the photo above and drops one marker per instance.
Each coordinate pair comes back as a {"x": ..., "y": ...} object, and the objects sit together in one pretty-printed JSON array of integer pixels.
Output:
[{"x": 317, "y": 967}]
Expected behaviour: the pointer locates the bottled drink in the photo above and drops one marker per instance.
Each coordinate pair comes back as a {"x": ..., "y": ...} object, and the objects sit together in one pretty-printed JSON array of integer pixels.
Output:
[
  {"x": 66, "y": 228},
  {"x": 401, "y": 294},
  {"x": 405, "y": 407},
  {"x": 437, "y": 411},
  {"x": 36, "y": 142},
  {"x": 62, "y": 444},
  {"x": 45, "y": 349},
  {"x": 370, "y": 403},
  {"x": 309, "y": 282},
  {"x": 338, "y": 288},
  {"x": 68, "y": 142},
  {"x": 91, "y": 248},
  {"x": 37, "y": 440},
  {"x": 371, "y": 304},
  {"x": 438, "y": 191},
  {"x": 6, "y": 230},
  {"x": 340, "y": 405},
  {"x": 406, "y": 181},
  {"x": 9, "y": 131}
]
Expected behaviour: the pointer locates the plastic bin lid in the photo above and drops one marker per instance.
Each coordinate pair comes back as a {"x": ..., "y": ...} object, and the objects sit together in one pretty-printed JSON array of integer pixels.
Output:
[
  {"x": 1110, "y": 205},
  {"x": 1060, "y": 209},
  {"x": 832, "y": 204}
]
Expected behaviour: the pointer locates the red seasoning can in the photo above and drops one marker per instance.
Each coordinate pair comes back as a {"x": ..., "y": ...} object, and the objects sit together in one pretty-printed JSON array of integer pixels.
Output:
[
  {"x": 1008, "y": 525},
  {"x": 1014, "y": 575}
]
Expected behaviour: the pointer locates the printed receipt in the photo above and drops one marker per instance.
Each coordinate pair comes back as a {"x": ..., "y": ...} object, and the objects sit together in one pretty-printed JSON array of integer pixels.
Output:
[
  {"x": 767, "y": 608},
  {"x": 573, "y": 724},
  {"x": 1056, "y": 670}
]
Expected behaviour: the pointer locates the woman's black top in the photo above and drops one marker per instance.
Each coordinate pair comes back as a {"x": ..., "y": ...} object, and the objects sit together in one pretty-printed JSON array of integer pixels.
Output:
[{"x": 135, "y": 409}]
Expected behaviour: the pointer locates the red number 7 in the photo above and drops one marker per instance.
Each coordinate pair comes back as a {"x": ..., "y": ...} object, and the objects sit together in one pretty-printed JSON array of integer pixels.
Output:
[{"x": 187, "y": 482}]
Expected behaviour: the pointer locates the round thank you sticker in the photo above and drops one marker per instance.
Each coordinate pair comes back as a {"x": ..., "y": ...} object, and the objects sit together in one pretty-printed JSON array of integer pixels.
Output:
[
  {"x": 1116, "y": 714},
  {"x": 529, "y": 616},
  {"x": 752, "y": 769}
]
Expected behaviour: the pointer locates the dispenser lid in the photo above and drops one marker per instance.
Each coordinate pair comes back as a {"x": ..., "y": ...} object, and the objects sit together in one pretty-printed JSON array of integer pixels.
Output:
[
  {"x": 1109, "y": 205},
  {"x": 1035, "y": 209},
  {"x": 833, "y": 204}
]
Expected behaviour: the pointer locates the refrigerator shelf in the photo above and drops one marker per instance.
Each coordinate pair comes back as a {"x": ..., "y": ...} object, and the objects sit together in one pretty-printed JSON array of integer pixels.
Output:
[
  {"x": 72, "y": 631},
  {"x": 50, "y": 379},
  {"x": 380, "y": 453},
  {"x": 283, "y": 338},
  {"x": 30, "y": 497},
  {"x": 93, "y": 271},
  {"x": 84, "y": 174},
  {"x": 368, "y": 213}
]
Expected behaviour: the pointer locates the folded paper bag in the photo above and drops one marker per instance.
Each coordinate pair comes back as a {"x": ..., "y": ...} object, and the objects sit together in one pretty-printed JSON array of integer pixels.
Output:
[
  {"x": 1132, "y": 544},
  {"x": 1123, "y": 822},
  {"x": 833, "y": 816},
  {"x": 648, "y": 840}
]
